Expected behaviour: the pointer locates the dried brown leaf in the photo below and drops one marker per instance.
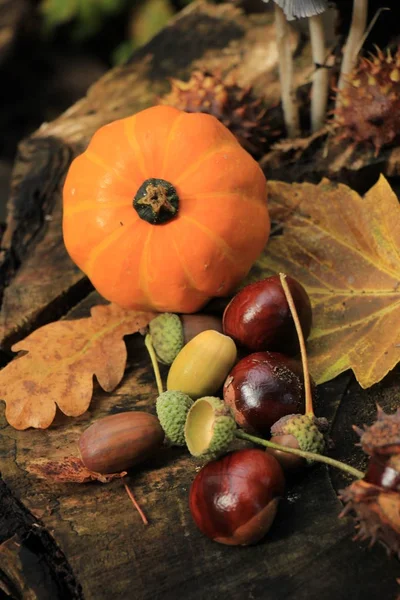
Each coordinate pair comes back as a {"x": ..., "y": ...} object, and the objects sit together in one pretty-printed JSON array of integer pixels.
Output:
[
  {"x": 60, "y": 362},
  {"x": 345, "y": 250},
  {"x": 69, "y": 470}
]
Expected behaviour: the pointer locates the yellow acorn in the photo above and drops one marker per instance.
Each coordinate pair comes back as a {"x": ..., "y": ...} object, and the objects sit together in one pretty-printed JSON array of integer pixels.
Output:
[{"x": 202, "y": 365}]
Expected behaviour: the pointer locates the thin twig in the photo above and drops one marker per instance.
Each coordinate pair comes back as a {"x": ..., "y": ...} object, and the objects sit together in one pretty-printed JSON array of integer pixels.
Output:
[
  {"x": 136, "y": 505},
  {"x": 371, "y": 26},
  {"x": 303, "y": 351},
  {"x": 319, "y": 92},
  {"x": 289, "y": 103}
]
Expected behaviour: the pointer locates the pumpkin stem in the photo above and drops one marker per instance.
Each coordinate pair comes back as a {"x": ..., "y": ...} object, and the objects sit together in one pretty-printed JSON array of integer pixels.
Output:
[{"x": 156, "y": 201}]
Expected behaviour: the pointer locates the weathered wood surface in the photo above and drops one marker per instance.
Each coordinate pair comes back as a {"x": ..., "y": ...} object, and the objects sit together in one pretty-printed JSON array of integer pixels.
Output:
[
  {"x": 87, "y": 540},
  {"x": 203, "y": 36},
  {"x": 320, "y": 155},
  {"x": 308, "y": 551}
]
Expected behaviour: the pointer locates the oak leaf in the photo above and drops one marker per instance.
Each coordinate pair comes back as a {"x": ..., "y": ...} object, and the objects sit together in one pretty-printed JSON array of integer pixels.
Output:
[
  {"x": 345, "y": 250},
  {"x": 60, "y": 362}
]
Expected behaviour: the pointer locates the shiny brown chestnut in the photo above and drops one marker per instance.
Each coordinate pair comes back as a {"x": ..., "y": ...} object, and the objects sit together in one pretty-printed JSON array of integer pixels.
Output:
[
  {"x": 262, "y": 388},
  {"x": 384, "y": 471},
  {"x": 259, "y": 317},
  {"x": 233, "y": 500}
]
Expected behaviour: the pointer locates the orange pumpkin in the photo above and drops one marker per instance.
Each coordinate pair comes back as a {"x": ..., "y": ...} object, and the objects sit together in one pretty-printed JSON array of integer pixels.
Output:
[{"x": 165, "y": 210}]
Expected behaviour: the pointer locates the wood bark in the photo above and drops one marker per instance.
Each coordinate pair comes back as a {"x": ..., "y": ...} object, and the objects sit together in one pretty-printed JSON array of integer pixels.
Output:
[{"x": 86, "y": 540}]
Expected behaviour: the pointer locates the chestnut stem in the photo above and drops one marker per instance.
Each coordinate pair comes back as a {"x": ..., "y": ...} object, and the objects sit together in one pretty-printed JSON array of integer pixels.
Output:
[
  {"x": 149, "y": 345},
  {"x": 303, "y": 351},
  {"x": 308, "y": 455},
  {"x": 136, "y": 505}
]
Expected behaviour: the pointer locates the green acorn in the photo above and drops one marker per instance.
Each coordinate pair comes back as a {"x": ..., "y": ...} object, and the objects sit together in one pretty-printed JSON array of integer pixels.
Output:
[
  {"x": 172, "y": 408},
  {"x": 305, "y": 429},
  {"x": 210, "y": 427},
  {"x": 170, "y": 332},
  {"x": 166, "y": 332}
]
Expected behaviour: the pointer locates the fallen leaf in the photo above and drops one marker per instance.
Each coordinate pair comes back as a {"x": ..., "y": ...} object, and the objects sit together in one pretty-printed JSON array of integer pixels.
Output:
[
  {"x": 345, "y": 250},
  {"x": 69, "y": 470},
  {"x": 60, "y": 362}
]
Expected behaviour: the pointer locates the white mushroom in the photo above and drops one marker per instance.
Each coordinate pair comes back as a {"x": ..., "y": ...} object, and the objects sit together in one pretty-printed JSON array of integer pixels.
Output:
[
  {"x": 297, "y": 9},
  {"x": 354, "y": 42},
  {"x": 288, "y": 93}
]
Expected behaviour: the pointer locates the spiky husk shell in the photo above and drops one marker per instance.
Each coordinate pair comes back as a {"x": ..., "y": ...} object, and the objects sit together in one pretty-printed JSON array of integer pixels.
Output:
[
  {"x": 237, "y": 108},
  {"x": 383, "y": 436},
  {"x": 369, "y": 110},
  {"x": 377, "y": 513}
]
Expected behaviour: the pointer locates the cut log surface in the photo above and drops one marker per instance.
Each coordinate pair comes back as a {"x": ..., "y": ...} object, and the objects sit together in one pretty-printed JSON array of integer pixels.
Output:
[
  {"x": 86, "y": 540},
  {"x": 203, "y": 36}
]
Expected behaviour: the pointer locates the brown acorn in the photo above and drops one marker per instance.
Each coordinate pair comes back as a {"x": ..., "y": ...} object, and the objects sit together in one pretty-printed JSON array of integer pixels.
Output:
[
  {"x": 237, "y": 108},
  {"x": 118, "y": 442},
  {"x": 368, "y": 110}
]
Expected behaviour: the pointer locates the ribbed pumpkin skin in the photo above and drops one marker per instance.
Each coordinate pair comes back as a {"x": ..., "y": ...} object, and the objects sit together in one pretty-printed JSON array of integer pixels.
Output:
[{"x": 205, "y": 251}]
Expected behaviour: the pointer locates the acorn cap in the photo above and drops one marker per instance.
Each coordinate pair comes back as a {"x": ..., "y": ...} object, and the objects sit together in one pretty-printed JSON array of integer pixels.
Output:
[
  {"x": 166, "y": 332},
  {"x": 172, "y": 408},
  {"x": 306, "y": 430},
  {"x": 210, "y": 427}
]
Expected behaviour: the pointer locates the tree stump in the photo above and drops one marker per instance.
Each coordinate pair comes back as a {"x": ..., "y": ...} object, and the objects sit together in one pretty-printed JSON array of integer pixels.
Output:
[{"x": 85, "y": 540}]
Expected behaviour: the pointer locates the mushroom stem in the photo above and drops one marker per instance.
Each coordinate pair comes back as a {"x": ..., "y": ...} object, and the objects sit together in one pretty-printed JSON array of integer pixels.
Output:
[
  {"x": 289, "y": 104},
  {"x": 353, "y": 43},
  {"x": 319, "y": 94}
]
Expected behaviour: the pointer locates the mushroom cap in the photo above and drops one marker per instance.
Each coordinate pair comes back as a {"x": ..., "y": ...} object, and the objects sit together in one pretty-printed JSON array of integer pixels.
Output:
[{"x": 298, "y": 9}]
